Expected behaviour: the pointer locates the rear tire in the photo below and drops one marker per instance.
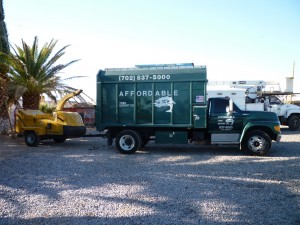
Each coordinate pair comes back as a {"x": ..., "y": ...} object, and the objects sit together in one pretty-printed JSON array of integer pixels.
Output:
[
  {"x": 294, "y": 122},
  {"x": 257, "y": 142},
  {"x": 31, "y": 139},
  {"x": 128, "y": 141}
]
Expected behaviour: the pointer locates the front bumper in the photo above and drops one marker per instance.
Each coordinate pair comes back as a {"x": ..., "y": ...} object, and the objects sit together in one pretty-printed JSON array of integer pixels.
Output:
[
  {"x": 74, "y": 131},
  {"x": 278, "y": 138}
]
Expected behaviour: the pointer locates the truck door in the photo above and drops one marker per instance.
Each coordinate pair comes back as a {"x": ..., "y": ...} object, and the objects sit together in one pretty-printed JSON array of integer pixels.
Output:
[
  {"x": 274, "y": 104},
  {"x": 225, "y": 127}
]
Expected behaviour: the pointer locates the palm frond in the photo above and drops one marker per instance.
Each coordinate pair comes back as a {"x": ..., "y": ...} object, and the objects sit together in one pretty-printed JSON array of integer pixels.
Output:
[{"x": 37, "y": 70}]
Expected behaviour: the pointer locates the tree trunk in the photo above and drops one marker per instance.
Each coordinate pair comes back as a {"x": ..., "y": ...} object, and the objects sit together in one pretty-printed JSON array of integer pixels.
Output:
[
  {"x": 4, "y": 47},
  {"x": 31, "y": 100},
  {"x": 4, "y": 123}
]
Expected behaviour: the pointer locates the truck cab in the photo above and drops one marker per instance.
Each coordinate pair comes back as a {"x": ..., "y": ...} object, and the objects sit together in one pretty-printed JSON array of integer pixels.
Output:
[
  {"x": 288, "y": 114},
  {"x": 251, "y": 95},
  {"x": 253, "y": 130}
]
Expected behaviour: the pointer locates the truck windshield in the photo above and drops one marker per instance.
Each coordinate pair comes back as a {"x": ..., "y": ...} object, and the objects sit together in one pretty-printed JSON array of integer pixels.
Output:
[{"x": 274, "y": 100}]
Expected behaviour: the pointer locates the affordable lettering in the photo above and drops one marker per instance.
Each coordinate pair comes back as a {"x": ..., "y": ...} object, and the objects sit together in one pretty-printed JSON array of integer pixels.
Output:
[{"x": 149, "y": 93}]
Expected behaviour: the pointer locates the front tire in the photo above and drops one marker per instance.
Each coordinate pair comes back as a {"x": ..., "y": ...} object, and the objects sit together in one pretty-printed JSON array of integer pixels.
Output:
[
  {"x": 257, "y": 142},
  {"x": 294, "y": 122},
  {"x": 128, "y": 141},
  {"x": 31, "y": 139}
]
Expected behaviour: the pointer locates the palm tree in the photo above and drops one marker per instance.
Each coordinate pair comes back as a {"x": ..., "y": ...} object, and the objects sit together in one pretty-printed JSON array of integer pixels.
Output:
[
  {"x": 37, "y": 71},
  {"x": 4, "y": 47}
]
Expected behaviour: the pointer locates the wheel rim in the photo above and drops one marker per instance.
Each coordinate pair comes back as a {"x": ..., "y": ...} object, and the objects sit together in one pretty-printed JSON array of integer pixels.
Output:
[
  {"x": 127, "y": 142},
  {"x": 257, "y": 144},
  {"x": 30, "y": 138},
  {"x": 295, "y": 124}
]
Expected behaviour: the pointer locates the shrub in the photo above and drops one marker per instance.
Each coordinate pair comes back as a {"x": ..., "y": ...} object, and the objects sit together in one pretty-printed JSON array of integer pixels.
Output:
[{"x": 47, "y": 108}]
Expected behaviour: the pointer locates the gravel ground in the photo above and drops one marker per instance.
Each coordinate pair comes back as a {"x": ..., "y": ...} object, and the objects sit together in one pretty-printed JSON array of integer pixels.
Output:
[{"x": 82, "y": 181}]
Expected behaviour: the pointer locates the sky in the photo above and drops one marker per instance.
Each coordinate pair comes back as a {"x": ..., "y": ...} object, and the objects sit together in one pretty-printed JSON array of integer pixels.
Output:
[{"x": 234, "y": 39}]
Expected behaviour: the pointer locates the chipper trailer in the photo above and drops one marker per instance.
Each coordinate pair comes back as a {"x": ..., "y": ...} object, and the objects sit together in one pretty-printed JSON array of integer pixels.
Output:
[
  {"x": 36, "y": 125},
  {"x": 168, "y": 103}
]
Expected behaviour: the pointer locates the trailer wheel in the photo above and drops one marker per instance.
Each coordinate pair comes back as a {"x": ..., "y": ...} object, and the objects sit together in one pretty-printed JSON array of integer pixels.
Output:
[
  {"x": 257, "y": 142},
  {"x": 128, "y": 141},
  {"x": 294, "y": 122},
  {"x": 60, "y": 139},
  {"x": 31, "y": 139}
]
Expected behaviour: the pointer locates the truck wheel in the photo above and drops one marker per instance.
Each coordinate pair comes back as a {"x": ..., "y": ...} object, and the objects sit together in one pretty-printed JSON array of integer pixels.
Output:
[
  {"x": 128, "y": 141},
  {"x": 60, "y": 139},
  {"x": 257, "y": 143},
  {"x": 294, "y": 122},
  {"x": 31, "y": 139}
]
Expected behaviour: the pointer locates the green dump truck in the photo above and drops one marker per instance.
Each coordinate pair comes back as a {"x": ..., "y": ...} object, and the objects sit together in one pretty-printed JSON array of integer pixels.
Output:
[{"x": 168, "y": 103}]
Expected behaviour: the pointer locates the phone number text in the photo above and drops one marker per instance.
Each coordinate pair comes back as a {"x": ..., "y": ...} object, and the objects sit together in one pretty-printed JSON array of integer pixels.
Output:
[{"x": 144, "y": 77}]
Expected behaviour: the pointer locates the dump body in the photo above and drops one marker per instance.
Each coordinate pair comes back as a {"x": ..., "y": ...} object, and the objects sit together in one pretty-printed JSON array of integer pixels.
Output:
[{"x": 150, "y": 97}]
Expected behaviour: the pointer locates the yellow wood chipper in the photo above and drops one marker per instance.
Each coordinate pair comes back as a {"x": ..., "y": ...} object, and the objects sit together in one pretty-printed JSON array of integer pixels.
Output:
[{"x": 36, "y": 125}]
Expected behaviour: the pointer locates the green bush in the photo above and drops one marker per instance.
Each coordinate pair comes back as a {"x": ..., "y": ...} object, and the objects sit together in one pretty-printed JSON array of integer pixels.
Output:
[{"x": 47, "y": 108}]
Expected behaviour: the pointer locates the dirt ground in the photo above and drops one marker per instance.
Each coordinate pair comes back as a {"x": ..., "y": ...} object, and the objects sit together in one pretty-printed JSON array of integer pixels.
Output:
[
  {"x": 84, "y": 181},
  {"x": 12, "y": 146},
  {"x": 15, "y": 146}
]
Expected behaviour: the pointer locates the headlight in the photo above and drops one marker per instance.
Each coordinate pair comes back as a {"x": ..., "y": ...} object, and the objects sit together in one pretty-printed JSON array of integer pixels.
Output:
[{"x": 277, "y": 128}]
